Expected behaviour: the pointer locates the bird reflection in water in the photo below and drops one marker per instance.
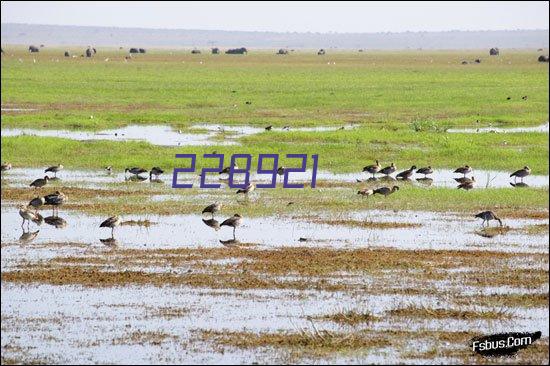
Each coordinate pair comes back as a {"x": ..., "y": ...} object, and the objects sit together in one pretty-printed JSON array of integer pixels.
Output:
[
  {"x": 214, "y": 224},
  {"x": 110, "y": 242},
  {"x": 426, "y": 181},
  {"x": 56, "y": 221},
  {"x": 28, "y": 236},
  {"x": 230, "y": 242},
  {"x": 519, "y": 185},
  {"x": 135, "y": 178}
]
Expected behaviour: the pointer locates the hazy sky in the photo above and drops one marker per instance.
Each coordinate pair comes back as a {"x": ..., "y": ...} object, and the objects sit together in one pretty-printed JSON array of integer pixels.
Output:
[{"x": 281, "y": 16}]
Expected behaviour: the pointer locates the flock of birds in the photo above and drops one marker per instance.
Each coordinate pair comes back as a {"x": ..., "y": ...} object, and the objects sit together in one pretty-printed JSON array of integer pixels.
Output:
[{"x": 30, "y": 212}]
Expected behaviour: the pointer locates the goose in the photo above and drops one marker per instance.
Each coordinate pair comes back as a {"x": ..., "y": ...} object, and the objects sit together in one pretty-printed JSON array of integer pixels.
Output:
[
  {"x": 249, "y": 188},
  {"x": 5, "y": 166},
  {"x": 385, "y": 191},
  {"x": 466, "y": 180},
  {"x": 156, "y": 171},
  {"x": 37, "y": 202},
  {"x": 488, "y": 216},
  {"x": 426, "y": 170},
  {"x": 212, "y": 209},
  {"x": 111, "y": 222},
  {"x": 388, "y": 170},
  {"x": 234, "y": 221},
  {"x": 29, "y": 215},
  {"x": 366, "y": 192},
  {"x": 55, "y": 199},
  {"x": 373, "y": 169},
  {"x": 522, "y": 173},
  {"x": 135, "y": 170},
  {"x": 463, "y": 170},
  {"x": 406, "y": 174},
  {"x": 40, "y": 182},
  {"x": 54, "y": 169}
]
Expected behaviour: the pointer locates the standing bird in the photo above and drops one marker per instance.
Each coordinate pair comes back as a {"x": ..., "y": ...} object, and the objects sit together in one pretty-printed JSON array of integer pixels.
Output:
[
  {"x": 109, "y": 169},
  {"x": 427, "y": 170},
  {"x": 463, "y": 170},
  {"x": 227, "y": 169},
  {"x": 54, "y": 169},
  {"x": 212, "y": 209},
  {"x": 268, "y": 128},
  {"x": 55, "y": 199},
  {"x": 488, "y": 216},
  {"x": 156, "y": 171},
  {"x": 29, "y": 215},
  {"x": 373, "y": 169},
  {"x": 385, "y": 191},
  {"x": 234, "y": 221},
  {"x": 40, "y": 182},
  {"x": 281, "y": 170},
  {"x": 522, "y": 173},
  {"x": 135, "y": 170},
  {"x": 388, "y": 170},
  {"x": 5, "y": 166},
  {"x": 249, "y": 188},
  {"x": 365, "y": 192},
  {"x": 111, "y": 222},
  {"x": 406, "y": 174},
  {"x": 37, "y": 202}
]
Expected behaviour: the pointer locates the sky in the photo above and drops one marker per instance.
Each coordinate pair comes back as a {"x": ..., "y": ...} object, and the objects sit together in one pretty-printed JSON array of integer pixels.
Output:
[{"x": 280, "y": 16}]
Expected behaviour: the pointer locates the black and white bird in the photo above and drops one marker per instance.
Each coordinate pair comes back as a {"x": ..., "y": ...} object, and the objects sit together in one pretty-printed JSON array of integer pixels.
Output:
[
  {"x": 5, "y": 166},
  {"x": 55, "y": 200},
  {"x": 234, "y": 221},
  {"x": 366, "y": 192},
  {"x": 40, "y": 182},
  {"x": 463, "y": 170},
  {"x": 37, "y": 202},
  {"x": 249, "y": 188},
  {"x": 522, "y": 173},
  {"x": 111, "y": 222},
  {"x": 54, "y": 169},
  {"x": 156, "y": 171}
]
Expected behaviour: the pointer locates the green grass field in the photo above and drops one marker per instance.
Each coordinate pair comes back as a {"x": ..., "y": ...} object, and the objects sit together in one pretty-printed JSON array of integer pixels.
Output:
[{"x": 399, "y": 101}]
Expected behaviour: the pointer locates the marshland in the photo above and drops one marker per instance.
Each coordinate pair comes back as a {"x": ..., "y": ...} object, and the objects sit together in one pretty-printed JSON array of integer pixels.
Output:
[{"x": 312, "y": 275}]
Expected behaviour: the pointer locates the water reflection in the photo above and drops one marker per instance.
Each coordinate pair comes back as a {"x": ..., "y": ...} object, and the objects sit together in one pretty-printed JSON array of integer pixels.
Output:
[
  {"x": 230, "y": 242},
  {"x": 28, "y": 236},
  {"x": 56, "y": 221},
  {"x": 214, "y": 224},
  {"x": 425, "y": 181},
  {"x": 135, "y": 178},
  {"x": 519, "y": 185},
  {"x": 110, "y": 242}
]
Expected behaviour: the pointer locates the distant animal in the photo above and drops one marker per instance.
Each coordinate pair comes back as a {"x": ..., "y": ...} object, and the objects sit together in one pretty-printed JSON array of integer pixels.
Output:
[
  {"x": 282, "y": 51},
  {"x": 281, "y": 170},
  {"x": 5, "y": 166},
  {"x": 385, "y": 191},
  {"x": 427, "y": 170},
  {"x": 156, "y": 171},
  {"x": 237, "y": 51},
  {"x": 248, "y": 102},
  {"x": 488, "y": 216},
  {"x": 477, "y": 61},
  {"x": 463, "y": 170},
  {"x": 524, "y": 97},
  {"x": 269, "y": 128},
  {"x": 111, "y": 222},
  {"x": 135, "y": 170},
  {"x": 365, "y": 192},
  {"x": 522, "y": 173},
  {"x": 227, "y": 169},
  {"x": 406, "y": 174},
  {"x": 373, "y": 169},
  {"x": 543, "y": 58},
  {"x": 67, "y": 54},
  {"x": 388, "y": 170},
  {"x": 134, "y": 50},
  {"x": 55, "y": 199},
  {"x": 37, "y": 202},
  {"x": 321, "y": 52},
  {"x": 234, "y": 221},
  {"x": 215, "y": 51},
  {"x": 195, "y": 51},
  {"x": 40, "y": 182},
  {"x": 109, "y": 169},
  {"x": 508, "y": 98},
  {"x": 29, "y": 215},
  {"x": 212, "y": 209},
  {"x": 494, "y": 51},
  {"x": 464, "y": 62},
  {"x": 54, "y": 169},
  {"x": 249, "y": 188},
  {"x": 33, "y": 49},
  {"x": 89, "y": 52},
  {"x": 142, "y": 50}
]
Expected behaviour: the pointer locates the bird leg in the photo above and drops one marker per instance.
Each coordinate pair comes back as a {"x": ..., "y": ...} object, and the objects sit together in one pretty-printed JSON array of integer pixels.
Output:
[
  {"x": 112, "y": 232},
  {"x": 22, "y": 224},
  {"x": 234, "y": 232}
]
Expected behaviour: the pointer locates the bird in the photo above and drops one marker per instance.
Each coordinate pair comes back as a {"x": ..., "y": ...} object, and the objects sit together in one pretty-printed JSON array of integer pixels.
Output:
[
  {"x": 281, "y": 170},
  {"x": 488, "y": 216},
  {"x": 463, "y": 170},
  {"x": 373, "y": 169},
  {"x": 249, "y": 188},
  {"x": 6, "y": 166},
  {"x": 111, "y": 222},
  {"x": 29, "y": 215},
  {"x": 212, "y": 209},
  {"x": 135, "y": 170},
  {"x": 40, "y": 182},
  {"x": 388, "y": 170},
  {"x": 467, "y": 185},
  {"x": 366, "y": 192},
  {"x": 406, "y": 174},
  {"x": 385, "y": 191},
  {"x": 156, "y": 171},
  {"x": 54, "y": 169},
  {"x": 286, "y": 128},
  {"x": 55, "y": 199},
  {"x": 524, "y": 97},
  {"x": 227, "y": 169},
  {"x": 466, "y": 180},
  {"x": 426, "y": 170},
  {"x": 268, "y": 128},
  {"x": 234, "y": 221},
  {"x": 109, "y": 169},
  {"x": 522, "y": 173},
  {"x": 37, "y": 202},
  {"x": 508, "y": 98}
]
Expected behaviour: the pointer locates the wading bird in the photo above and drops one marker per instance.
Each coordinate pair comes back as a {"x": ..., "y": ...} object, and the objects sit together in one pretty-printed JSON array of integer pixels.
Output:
[
  {"x": 281, "y": 170},
  {"x": 463, "y": 170},
  {"x": 212, "y": 209},
  {"x": 372, "y": 169},
  {"x": 54, "y": 169},
  {"x": 426, "y": 170},
  {"x": 37, "y": 202},
  {"x": 111, "y": 222},
  {"x": 488, "y": 216},
  {"x": 5, "y": 166},
  {"x": 109, "y": 169},
  {"x": 388, "y": 170},
  {"x": 40, "y": 182},
  {"x": 406, "y": 174},
  {"x": 156, "y": 171},
  {"x": 234, "y": 221},
  {"x": 385, "y": 191},
  {"x": 522, "y": 173},
  {"x": 55, "y": 200},
  {"x": 249, "y": 188},
  {"x": 366, "y": 192},
  {"x": 29, "y": 215}
]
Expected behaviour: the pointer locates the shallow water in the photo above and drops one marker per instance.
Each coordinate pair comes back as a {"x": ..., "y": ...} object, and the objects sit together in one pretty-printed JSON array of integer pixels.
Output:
[{"x": 544, "y": 128}]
